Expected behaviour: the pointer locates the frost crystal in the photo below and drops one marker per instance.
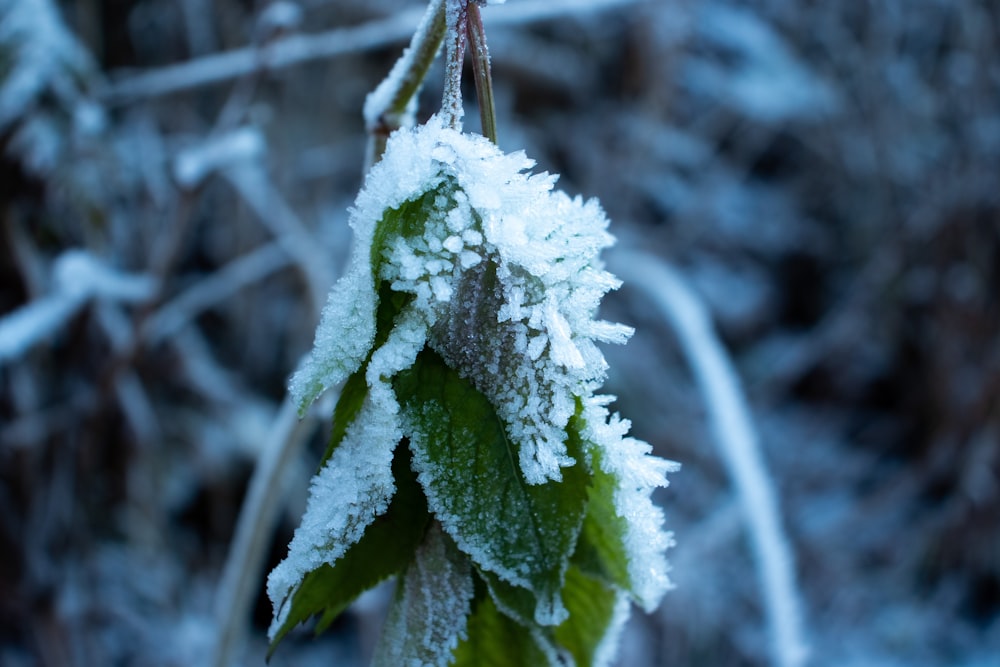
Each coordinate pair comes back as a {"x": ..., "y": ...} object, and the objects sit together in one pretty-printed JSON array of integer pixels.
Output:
[{"x": 433, "y": 598}]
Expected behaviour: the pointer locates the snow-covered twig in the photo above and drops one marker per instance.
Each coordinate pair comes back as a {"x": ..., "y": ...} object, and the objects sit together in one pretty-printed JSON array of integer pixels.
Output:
[
  {"x": 737, "y": 440},
  {"x": 252, "y": 183},
  {"x": 299, "y": 49},
  {"x": 391, "y": 105},
  {"x": 237, "y": 155},
  {"x": 238, "y": 146},
  {"x": 79, "y": 276},
  {"x": 452, "y": 109}
]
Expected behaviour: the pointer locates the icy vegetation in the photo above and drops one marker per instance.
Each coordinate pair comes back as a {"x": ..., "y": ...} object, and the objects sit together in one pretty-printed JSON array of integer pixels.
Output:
[{"x": 460, "y": 249}]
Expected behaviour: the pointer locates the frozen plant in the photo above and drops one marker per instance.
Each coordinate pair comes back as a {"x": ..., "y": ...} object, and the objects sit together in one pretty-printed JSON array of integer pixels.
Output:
[{"x": 470, "y": 455}]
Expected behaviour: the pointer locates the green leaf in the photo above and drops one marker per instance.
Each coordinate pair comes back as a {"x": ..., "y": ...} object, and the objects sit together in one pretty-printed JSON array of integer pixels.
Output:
[
  {"x": 386, "y": 547},
  {"x": 601, "y": 550},
  {"x": 428, "y": 617},
  {"x": 592, "y": 605},
  {"x": 494, "y": 640},
  {"x": 525, "y": 534},
  {"x": 515, "y": 601}
]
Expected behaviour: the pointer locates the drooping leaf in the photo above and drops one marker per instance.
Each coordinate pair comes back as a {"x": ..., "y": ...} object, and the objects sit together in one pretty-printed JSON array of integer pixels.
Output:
[
  {"x": 596, "y": 609},
  {"x": 525, "y": 534},
  {"x": 343, "y": 338},
  {"x": 624, "y": 527},
  {"x": 384, "y": 550},
  {"x": 596, "y": 613},
  {"x": 429, "y": 614},
  {"x": 495, "y": 640}
]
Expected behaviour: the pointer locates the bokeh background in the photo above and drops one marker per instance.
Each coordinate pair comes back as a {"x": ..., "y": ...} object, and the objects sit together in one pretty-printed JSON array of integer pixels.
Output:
[{"x": 174, "y": 183}]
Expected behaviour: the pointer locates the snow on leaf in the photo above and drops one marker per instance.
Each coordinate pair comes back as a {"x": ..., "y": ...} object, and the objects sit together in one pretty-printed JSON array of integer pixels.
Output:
[
  {"x": 344, "y": 335},
  {"x": 428, "y": 617},
  {"x": 505, "y": 269},
  {"x": 480, "y": 348}
]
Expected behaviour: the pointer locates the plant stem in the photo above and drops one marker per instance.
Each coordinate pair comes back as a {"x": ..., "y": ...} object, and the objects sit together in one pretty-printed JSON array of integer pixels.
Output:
[
  {"x": 452, "y": 109},
  {"x": 481, "y": 69},
  {"x": 390, "y": 105}
]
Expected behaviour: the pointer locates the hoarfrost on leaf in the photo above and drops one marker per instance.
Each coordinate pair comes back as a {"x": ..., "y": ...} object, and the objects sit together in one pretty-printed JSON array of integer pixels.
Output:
[
  {"x": 468, "y": 317},
  {"x": 634, "y": 473},
  {"x": 353, "y": 488}
]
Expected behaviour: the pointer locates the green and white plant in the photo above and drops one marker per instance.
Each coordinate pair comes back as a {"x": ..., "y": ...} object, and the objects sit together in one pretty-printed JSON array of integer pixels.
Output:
[{"x": 471, "y": 456}]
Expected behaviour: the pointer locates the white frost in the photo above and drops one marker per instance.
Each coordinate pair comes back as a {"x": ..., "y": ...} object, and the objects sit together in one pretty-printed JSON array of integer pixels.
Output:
[
  {"x": 505, "y": 279},
  {"x": 78, "y": 277},
  {"x": 345, "y": 332}
]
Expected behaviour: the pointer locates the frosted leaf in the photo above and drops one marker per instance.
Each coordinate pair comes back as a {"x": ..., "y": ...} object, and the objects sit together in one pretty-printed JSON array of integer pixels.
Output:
[
  {"x": 428, "y": 617},
  {"x": 635, "y": 473},
  {"x": 345, "y": 333},
  {"x": 607, "y": 649},
  {"x": 522, "y": 533},
  {"x": 470, "y": 301},
  {"x": 345, "y": 496}
]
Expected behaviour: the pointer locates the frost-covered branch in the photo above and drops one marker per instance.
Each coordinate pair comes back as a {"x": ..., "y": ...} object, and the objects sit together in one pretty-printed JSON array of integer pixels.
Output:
[
  {"x": 457, "y": 17},
  {"x": 297, "y": 50},
  {"x": 238, "y": 155},
  {"x": 253, "y": 184},
  {"x": 79, "y": 277},
  {"x": 737, "y": 440},
  {"x": 214, "y": 289}
]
